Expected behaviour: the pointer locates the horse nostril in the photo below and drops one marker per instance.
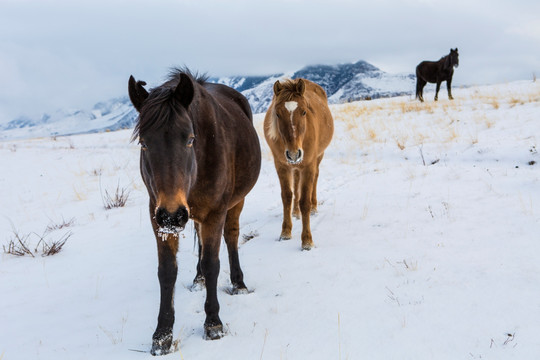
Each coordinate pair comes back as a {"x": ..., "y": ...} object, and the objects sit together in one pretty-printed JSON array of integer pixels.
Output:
[
  {"x": 167, "y": 220},
  {"x": 288, "y": 155},
  {"x": 296, "y": 158},
  {"x": 182, "y": 216},
  {"x": 163, "y": 218}
]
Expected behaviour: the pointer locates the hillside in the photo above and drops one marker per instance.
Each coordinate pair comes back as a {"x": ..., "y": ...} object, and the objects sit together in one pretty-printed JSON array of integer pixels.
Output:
[
  {"x": 426, "y": 244},
  {"x": 343, "y": 83}
]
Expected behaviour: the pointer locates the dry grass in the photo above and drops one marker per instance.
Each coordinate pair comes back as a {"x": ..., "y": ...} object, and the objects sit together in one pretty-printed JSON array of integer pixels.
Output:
[
  {"x": 443, "y": 122},
  {"x": 19, "y": 244},
  {"x": 371, "y": 134},
  {"x": 118, "y": 199},
  {"x": 53, "y": 247},
  {"x": 60, "y": 225},
  {"x": 79, "y": 196},
  {"x": 401, "y": 141},
  {"x": 96, "y": 172}
]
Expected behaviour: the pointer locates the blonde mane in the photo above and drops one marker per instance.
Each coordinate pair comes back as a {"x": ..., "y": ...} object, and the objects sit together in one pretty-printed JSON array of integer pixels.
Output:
[{"x": 271, "y": 129}]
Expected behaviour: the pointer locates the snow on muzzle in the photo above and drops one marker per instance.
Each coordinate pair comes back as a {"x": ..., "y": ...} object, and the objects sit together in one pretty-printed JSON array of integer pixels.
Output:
[{"x": 171, "y": 224}]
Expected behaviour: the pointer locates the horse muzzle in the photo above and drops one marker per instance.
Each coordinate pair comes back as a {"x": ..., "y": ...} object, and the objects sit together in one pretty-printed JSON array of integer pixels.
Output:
[
  {"x": 294, "y": 158},
  {"x": 171, "y": 223}
]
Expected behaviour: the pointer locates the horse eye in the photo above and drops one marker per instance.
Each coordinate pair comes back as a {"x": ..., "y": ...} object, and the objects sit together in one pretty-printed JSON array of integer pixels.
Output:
[
  {"x": 304, "y": 113},
  {"x": 190, "y": 141},
  {"x": 143, "y": 145}
]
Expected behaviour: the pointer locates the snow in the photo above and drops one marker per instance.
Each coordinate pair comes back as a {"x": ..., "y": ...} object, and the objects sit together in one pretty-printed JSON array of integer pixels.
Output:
[{"x": 427, "y": 242}]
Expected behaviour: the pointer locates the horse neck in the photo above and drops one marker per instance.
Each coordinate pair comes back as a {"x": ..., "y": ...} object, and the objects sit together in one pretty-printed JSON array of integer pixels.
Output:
[{"x": 445, "y": 62}]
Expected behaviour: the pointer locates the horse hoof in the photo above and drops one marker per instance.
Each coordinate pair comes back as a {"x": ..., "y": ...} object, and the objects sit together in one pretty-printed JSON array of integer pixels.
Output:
[
  {"x": 162, "y": 344},
  {"x": 308, "y": 246},
  {"x": 198, "y": 284},
  {"x": 284, "y": 237},
  {"x": 239, "y": 290},
  {"x": 214, "y": 332},
  {"x": 297, "y": 215}
]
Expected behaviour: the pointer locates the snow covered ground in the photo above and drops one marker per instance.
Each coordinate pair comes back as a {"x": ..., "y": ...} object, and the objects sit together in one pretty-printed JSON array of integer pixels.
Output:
[{"x": 428, "y": 242}]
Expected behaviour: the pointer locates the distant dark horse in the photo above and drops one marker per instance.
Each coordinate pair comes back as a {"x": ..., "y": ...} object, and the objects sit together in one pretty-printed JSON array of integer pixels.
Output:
[
  {"x": 200, "y": 156},
  {"x": 436, "y": 72}
]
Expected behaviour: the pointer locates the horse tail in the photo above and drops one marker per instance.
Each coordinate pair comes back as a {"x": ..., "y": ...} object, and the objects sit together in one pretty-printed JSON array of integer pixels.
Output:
[{"x": 418, "y": 81}]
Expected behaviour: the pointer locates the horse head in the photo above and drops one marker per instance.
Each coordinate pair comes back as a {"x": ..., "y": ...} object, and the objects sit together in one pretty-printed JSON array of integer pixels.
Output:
[
  {"x": 290, "y": 111},
  {"x": 166, "y": 135},
  {"x": 453, "y": 58}
]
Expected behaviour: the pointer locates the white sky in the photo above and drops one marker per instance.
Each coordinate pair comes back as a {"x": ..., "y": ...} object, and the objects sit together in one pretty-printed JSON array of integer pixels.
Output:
[{"x": 72, "y": 54}]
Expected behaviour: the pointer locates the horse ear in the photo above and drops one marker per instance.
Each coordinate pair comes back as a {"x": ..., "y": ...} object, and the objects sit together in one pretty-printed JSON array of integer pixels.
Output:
[
  {"x": 137, "y": 93},
  {"x": 277, "y": 87},
  {"x": 300, "y": 86},
  {"x": 184, "y": 91}
]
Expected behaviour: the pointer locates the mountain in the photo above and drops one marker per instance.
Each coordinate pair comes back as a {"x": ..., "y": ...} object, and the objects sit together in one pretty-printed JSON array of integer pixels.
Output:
[
  {"x": 111, "y": 115},
  {"x": 342, "y": 83}
]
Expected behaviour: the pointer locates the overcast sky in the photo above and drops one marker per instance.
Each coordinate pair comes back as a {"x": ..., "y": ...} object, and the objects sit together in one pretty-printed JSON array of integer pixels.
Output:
[{"x": 72, "y": 54}]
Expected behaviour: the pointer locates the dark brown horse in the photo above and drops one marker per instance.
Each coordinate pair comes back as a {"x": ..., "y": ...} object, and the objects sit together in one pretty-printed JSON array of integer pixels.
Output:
[
  {"x": 436, "y": 72},
  {"x": 298, "y": 127},
  {"x": 200, "y": 156}
]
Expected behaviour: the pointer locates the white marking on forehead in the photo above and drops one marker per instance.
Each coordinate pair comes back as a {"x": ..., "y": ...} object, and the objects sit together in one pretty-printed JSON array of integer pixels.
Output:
[{"x": 291, "y": 105}]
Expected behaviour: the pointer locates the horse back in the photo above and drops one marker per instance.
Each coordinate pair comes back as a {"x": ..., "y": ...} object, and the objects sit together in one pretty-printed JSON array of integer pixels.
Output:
[
  {"x": 433, "y": 71},
  {"x": 229, "y": 155},
  {"x": 320, "y": 116},
  {"x": 227, "y": 95}
]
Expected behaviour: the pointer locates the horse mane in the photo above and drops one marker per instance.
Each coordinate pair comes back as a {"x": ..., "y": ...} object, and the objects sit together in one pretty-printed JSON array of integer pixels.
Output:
[
  {"x": 174, "y": 75},
  {"x": 161, "y": 107},
  {"x": 447, "y": 60},
  {"x": 288, "y": 91}
]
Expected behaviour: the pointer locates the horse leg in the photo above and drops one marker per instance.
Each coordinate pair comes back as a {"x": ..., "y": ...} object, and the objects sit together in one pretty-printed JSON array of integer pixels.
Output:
[
  {"x": 198, "y": 282},
  {"x": 306, "y": 191},
  {"x": 231, "y": 232},
  {"x": 211, "y": 231},
  {"x": 449, "y": 88},
  {"x": 314, "y": 202},
  {"x": 296, "y": 199},
  {"x": 420, "y": 83},
  {"x": 167, "y": 271},
  {"x": 284, "y": 175},
  {"x": 437, "y": 90}
]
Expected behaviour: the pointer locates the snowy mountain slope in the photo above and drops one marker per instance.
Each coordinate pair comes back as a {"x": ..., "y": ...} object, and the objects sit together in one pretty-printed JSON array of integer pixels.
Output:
[
  {"x": 111, "y": 115},
  {"x": 427, "y": 243},
  {"x": 343, "y": 83}
]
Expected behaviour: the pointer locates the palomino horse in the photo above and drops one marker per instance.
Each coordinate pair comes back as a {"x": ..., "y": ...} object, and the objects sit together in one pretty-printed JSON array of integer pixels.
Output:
[
  {"x": 436, "y": 72},
  {"x": 200, "y": 156},
  {"x": 298, "y": 127}
]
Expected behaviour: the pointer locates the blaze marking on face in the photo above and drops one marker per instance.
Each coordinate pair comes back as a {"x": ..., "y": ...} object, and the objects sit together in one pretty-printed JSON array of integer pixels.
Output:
[{"x": 291, "y": 106}]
